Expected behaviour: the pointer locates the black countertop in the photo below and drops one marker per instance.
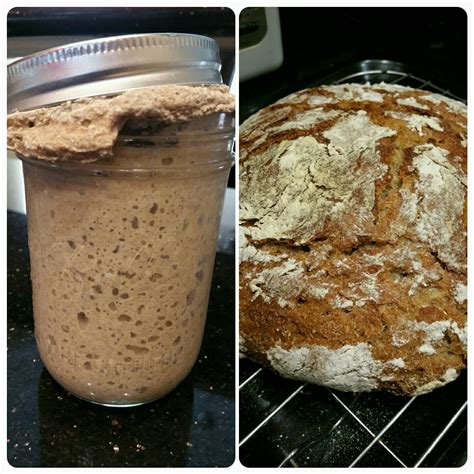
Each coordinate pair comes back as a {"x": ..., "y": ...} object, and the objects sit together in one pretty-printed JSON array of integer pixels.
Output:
[{"x": 192, "y": 426}]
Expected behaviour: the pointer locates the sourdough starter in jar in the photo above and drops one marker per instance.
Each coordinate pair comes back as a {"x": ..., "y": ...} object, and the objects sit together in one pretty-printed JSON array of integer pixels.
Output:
[{"x": 122, "y": 253}]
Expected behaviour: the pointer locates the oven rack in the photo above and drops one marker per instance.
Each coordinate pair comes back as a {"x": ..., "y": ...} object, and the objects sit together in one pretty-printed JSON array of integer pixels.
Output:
[{"x": 292, "y": 424}]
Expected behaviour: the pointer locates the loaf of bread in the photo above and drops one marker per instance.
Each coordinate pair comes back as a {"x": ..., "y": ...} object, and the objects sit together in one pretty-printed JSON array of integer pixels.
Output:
[{"x": 353, "y": 238}]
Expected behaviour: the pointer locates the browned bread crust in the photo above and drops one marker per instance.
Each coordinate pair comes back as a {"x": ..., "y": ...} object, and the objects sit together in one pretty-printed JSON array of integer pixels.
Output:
[{"x": 353, "y": 237}]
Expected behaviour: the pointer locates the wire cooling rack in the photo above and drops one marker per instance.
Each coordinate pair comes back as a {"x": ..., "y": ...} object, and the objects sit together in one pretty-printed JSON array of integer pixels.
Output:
[{"x": 291, "y": 424}]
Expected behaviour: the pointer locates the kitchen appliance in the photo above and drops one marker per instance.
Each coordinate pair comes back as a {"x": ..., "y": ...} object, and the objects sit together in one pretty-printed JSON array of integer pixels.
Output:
[{"x": 261, "y": 48}]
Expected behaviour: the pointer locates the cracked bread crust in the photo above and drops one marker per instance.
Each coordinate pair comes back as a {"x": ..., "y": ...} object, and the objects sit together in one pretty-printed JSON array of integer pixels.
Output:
[{"x": 353, "y": 237}]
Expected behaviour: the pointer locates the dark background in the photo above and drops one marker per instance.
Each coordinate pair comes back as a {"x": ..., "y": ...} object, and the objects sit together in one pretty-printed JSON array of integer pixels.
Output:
[{"x": 431, "y": 42}]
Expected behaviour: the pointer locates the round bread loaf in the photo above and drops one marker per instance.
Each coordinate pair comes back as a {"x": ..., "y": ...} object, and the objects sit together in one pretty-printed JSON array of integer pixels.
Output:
[{"x": 353, "y": 238}]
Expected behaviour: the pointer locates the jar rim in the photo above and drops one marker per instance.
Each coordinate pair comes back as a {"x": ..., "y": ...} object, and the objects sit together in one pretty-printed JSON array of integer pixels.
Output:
[
  {"x": 100, "y": 168},
  {"x": 171, "y": 139}
]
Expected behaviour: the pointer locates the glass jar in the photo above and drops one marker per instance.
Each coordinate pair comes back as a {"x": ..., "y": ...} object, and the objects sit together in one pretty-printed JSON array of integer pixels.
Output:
[{"x": 122, "y": 255}]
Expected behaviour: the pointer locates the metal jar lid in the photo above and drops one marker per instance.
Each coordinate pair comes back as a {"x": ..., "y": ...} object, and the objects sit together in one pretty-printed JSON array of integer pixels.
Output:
[{"x": 111, "y": 65}]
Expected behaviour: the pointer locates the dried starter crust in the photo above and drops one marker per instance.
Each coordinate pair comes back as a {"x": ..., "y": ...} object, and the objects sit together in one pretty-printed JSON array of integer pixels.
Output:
[
  {"x": 85, "y": 130},
  {"x": 353, "y": 237}
]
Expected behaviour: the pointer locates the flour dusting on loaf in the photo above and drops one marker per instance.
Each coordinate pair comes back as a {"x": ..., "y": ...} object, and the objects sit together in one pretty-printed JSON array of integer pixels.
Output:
[{"x": 353, "y": 237}]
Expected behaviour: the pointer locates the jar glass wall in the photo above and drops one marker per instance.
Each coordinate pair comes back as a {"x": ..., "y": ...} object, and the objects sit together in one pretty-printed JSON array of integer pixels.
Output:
[{"x": 122, "y": 254}]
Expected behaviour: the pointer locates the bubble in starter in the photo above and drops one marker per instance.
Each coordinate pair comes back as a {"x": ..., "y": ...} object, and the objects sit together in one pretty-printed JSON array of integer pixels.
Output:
[{"x": 82, "y": 319}]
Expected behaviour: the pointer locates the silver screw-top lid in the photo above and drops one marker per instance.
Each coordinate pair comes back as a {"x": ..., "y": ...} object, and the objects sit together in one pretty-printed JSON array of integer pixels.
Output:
[{"x": 111, "y": 65}]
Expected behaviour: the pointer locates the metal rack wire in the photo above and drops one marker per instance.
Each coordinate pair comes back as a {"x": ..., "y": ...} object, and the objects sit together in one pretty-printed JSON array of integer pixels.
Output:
[{"x": 285, "y": 423}]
